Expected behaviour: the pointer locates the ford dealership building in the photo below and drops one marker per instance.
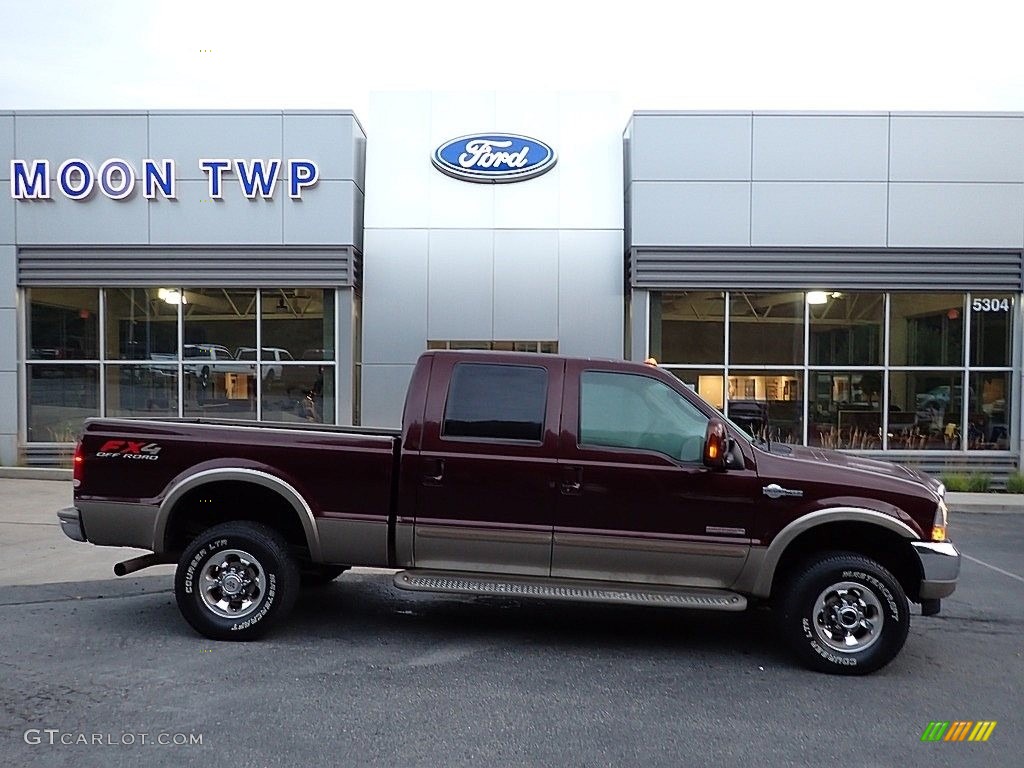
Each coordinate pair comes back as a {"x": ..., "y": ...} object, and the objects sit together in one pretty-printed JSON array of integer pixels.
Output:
[{"x": 843, "y": 280}]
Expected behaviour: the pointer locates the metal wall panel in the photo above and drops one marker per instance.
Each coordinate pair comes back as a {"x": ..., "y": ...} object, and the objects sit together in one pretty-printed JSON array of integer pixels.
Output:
[
  {"x": 7, "y": 236},
  {"x": 97, "y": 221},
  {"x": 589, "y": 162},
  {"x": 195, "y": 218},
  {"x": 6, "y": 145},
  {"x": 332, "y": 140},
  {"x": 590, "y": 293},
  {"x": 461, "y": 284},
  {"x": 326, "y": 215},
  {"x": 187, "y": 137},
  {"x": 821, "y": 147},
  {"x": 194, "y": 267},
  {"x": 818, "y": 213},
  {"x": 526, "y": 285},
  {"x": 956, "y": 215},
  {"x": 957, "y": 148},
  {"x": 694, "y": 213},
  {"x": 92, "y": 137},
  {"x": 398, "y": 161},
  {"x": 383, "y": 391},
  {"x": 836, "y": 269},
  {"x": 8, "y": 418},
  {"x": 395, "y": 297},
  {"x": 8, "y": 339},
  {"x": 690, "y": 147},
  {"x": 8, "y": 274}
]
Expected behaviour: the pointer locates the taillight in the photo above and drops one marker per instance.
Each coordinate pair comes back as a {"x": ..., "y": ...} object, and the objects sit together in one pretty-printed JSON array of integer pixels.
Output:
[{"x": 78, "y": 465}]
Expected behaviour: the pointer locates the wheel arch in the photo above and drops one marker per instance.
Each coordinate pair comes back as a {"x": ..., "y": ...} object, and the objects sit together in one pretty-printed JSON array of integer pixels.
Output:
[
  {"x": 266, "y": 482},
  {"x": 863, "y": 531}
]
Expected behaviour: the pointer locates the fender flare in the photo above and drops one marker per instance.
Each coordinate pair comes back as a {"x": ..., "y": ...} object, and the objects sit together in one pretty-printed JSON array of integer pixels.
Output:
[
  {"x": 764, "y": 566},
  {"x": 253, "y": 476}
]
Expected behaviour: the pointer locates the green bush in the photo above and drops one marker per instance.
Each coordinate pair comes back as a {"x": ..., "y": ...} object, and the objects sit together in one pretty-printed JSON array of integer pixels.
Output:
[
  {"x": 955, "y": 481},
  {"x": 1015, "y": 482},
  {"x": 978, "y": 482}
]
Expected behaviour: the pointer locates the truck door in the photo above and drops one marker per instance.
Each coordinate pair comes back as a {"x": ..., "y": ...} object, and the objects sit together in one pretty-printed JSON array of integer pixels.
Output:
[
  {"x": 488, "y": 465},
  {"x": 635, "y": 501}
]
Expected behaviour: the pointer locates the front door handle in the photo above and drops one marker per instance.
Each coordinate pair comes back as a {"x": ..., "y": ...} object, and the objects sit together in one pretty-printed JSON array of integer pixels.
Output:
[
  {"x": 572, "y": 481},
  {"x": 433, "y": 471}
]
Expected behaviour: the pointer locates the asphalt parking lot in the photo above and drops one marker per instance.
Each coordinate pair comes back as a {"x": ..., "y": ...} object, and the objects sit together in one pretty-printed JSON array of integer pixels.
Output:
[{"x": 366, "y": 675}]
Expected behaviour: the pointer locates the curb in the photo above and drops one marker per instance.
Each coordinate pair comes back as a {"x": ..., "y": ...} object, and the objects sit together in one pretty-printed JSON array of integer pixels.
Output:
[{"x": 34, "y": 473}]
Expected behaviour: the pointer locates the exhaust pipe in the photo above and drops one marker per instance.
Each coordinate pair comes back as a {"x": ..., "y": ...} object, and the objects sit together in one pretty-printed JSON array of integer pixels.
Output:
[{"x": 138, "y": 563}]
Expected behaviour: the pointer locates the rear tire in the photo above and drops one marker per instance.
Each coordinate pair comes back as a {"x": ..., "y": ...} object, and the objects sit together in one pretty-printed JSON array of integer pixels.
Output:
[
  {"x": 236, "y": 581},
  {"x": 844, "y": 614}
]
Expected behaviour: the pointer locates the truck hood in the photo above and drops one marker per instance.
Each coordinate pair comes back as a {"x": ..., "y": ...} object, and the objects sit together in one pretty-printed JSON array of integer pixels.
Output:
[{"x": 855, "y": 462}]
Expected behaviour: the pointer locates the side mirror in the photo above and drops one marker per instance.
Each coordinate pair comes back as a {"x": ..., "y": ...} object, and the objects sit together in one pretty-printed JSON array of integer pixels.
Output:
[{"x": 716, "y": 445}]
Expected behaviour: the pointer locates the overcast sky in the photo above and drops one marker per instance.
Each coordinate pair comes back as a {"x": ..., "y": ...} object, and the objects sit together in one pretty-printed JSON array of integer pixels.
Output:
[{"x": 714, "y": 54}]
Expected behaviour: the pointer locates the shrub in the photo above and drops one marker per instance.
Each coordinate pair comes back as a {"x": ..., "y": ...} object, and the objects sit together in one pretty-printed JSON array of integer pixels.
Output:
[
  {"x": 978, "y": 482},
  {"x": 1015, "y": 482},
  {"x": 955, "y": 481}
]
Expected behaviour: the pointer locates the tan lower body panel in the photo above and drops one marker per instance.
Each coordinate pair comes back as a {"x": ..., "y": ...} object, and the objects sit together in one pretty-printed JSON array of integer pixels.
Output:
[
  {"x": 619, "y": 558},
  {"x": 491, "y": 550},
  {"x": 353, "y": 542},
  {"x": 116, "y": 524}
]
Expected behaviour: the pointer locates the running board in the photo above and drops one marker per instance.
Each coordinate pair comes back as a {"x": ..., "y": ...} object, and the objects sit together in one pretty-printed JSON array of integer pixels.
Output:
[{"x": 500, "y": 585}]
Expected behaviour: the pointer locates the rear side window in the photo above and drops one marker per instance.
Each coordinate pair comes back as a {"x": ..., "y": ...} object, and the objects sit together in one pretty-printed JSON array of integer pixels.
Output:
[{"x": 498, "y": 402}]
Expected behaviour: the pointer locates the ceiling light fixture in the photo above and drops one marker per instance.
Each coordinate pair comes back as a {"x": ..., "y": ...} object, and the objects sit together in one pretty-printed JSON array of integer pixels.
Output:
[{"x": 817, "y": 297}]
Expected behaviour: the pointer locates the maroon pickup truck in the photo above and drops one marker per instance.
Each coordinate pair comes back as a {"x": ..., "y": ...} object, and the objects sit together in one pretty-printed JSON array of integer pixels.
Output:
[{"x": 530, "y": 475}]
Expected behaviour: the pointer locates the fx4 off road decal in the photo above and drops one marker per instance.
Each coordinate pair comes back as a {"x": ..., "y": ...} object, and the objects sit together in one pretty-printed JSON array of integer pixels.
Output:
[{"x": 126, "y": 449}]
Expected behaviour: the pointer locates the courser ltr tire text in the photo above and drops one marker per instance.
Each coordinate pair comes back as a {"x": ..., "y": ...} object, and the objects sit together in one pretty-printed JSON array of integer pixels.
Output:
[
  {"x": 844, "y": 614},
  {"x": 235, "y": 581}
]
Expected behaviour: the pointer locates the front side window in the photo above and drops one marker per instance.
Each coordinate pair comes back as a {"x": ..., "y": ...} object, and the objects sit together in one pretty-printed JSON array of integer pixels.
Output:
[
  {"x": 496, "y": 402},
  {"x": 622, "y": 410}
]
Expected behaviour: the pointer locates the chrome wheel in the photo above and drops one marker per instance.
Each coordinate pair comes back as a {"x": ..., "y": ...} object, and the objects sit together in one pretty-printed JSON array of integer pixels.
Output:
[
  {"x": 232, "y": 584},
  {"x": 848, "y": 617}
]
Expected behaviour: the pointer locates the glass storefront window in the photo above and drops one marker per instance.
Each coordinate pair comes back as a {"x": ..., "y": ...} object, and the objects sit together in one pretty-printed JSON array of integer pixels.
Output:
[
  {"x": 927, "y": 329},
  {"x": 926, "y": 410},
  {"x": 298, "y": 324},
  {"x": 140, "y": 324},
  {"x": 218, "y": 321},
  {"x": 141, "y": 390},
  {"x": 300, "y": 393},
  {"x": 63, "y": 323},
  {"x": 221, "y": 391},
  {"x": 988, "y": 411},
  {"x": 991, "y": 329},
  {"x": 768, "y": 404},
  {"x": 688, "y": 327},
  {"x": 60, "y": 398},
  {"x": 845, "y": 409},
  {"x": 766, "y": 328},
  {"x": 709, "y": 384},
  {"x": 847, "y": 329}
]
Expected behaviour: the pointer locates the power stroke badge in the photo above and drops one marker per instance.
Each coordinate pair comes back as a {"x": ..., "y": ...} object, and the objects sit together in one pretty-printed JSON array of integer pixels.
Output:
[{"x": 494, "y": 158}]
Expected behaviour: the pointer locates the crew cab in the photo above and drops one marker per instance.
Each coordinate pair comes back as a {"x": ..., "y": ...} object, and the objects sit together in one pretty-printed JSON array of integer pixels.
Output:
[{"x": 533, "y": 475}]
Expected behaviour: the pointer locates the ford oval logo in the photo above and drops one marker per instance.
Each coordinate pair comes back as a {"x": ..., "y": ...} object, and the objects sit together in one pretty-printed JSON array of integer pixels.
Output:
[{"x": 494, "y": 158}]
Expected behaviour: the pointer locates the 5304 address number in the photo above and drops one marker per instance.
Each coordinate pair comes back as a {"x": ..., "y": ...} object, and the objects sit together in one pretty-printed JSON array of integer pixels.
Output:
[{"x": 990, "y": 305}]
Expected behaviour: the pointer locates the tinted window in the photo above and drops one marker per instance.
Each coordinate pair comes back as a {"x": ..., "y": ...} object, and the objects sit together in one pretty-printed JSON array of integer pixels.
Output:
[
  {"x": 624, "y": 410},
  {"x": 504, "y": 402}
]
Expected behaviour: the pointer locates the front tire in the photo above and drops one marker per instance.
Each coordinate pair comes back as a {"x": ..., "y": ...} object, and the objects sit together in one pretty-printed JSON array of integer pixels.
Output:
[
  {"x": 844, "y": 614},
  {"x": 235, "y": 581}
]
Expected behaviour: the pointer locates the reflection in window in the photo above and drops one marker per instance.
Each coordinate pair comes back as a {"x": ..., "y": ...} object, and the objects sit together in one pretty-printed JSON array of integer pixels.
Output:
[
  {"x": 925, "y": 410},
  {"x": 766, "y": 328},
  {"x": 298, "y": 393},
  {"x": 141, "y": 390},
  {"x": 709, "y": 384},
  {"x": 688, "y": 327},
  {"x": 218, "y": 321},
  {"x": 223, "y": 391},
  {"x": 298, "y": 324},
  {"x": 927, "y": 329},
  {"x": 768, "y": 405},
  {"x": 141, "y": 324},
  {"x": 623, "y": 410},
  {"x": 60, "y": 398},
  {"x": 847, "y": 329},
  {"x": 846, "y": 409},
  {"x": 63, "y": 323},
  {"x": 988, "y": 411}
]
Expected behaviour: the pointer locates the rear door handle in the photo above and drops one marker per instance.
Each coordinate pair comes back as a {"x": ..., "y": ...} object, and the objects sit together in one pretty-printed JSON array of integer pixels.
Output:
[{"x": 572, "y": 481}]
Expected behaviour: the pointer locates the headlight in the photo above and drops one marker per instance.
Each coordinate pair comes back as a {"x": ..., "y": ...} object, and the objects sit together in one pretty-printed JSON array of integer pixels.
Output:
[{"x": 940, "y": 522}]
